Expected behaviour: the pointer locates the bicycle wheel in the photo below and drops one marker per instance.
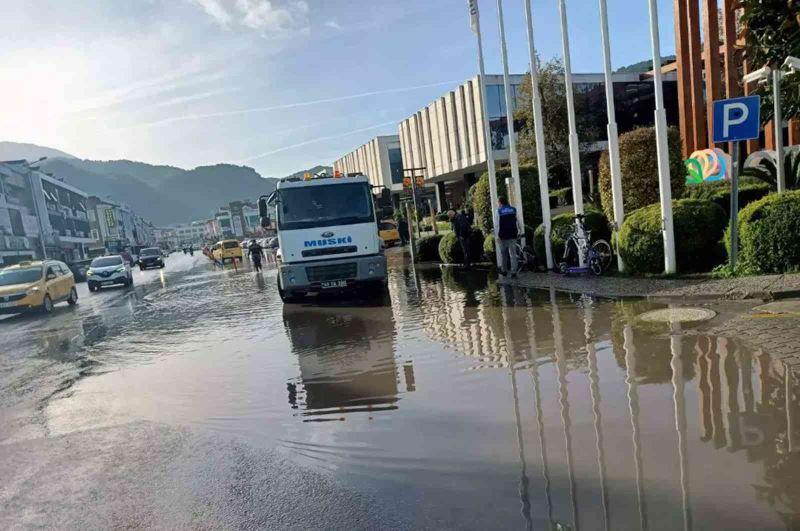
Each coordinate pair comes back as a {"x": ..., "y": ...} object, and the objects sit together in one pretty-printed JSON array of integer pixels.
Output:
[
  {"x": 528, "y": 258},
  {"x": 601, "y": 250}
]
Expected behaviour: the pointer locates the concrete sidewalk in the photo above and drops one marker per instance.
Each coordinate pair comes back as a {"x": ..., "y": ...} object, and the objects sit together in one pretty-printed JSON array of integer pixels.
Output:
[{"x": 765, "y": 287}]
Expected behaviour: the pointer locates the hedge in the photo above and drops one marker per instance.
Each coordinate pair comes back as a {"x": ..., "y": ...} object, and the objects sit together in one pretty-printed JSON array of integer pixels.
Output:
[
  {"x": 639, "y": 166},
  {"x": 561, "y": 197},
  {"x": 489, "y": 249},
  {"x": 450, "y": 249},
  {"x": 562, "y": 226},
  {"x": 768, "y": 234},
  {"x": 531, "y": 202},
  {"x": 699, "y": 225},
  {"x": 428, "y": 248},
  {"x": 720, "y": 193}
]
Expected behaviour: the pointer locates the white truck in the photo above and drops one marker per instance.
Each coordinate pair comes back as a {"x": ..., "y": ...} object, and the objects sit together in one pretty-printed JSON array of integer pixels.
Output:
[{"x": 327, "y": 236}]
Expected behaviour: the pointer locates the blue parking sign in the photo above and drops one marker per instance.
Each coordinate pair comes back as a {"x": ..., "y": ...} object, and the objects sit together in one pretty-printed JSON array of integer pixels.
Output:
[{"x": 737, "y": 119}]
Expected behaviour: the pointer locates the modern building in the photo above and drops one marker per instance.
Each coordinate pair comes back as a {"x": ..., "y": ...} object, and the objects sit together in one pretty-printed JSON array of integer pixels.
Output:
[
  {"x": 165, "y": 237},
  {"x": 64, "y": 218},
  {"x": 447, "y": 139},
  {"x": 20, "y": 234},
  {"x": 238, "y": 219},
  {"x": 380, "y": 159},
  {"x": 193, "y": 233},
  {"x": 114, "y": 225}
]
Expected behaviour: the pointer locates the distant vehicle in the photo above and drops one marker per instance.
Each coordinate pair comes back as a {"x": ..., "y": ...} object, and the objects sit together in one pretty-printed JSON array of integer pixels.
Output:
[
  {"x": 109, "y": 271},
  {"x": 272, "y": 243},
  {"x": 388, "y": 233},
  {"x": 79, "y": 269},
  {"x": 226, "y": 250},
  {"x": 328, "y": 236},
  {"x": 150, "y": 257},
  {"x": 29, "y": 286}
]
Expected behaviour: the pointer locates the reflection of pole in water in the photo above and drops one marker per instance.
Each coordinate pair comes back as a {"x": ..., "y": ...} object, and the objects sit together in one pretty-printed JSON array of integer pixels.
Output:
[
  {"x": 633, "y": 405},
  {"x": 563, "y": 396},
  {"x": 787, "y": 380},
  {"x": 679, "y": 400},
  {"x": 714, "y": 384},
  {"x": 537, "y": 396},
  {"x": 510, "y": 359},
  {"x": 594, "y": 387}
]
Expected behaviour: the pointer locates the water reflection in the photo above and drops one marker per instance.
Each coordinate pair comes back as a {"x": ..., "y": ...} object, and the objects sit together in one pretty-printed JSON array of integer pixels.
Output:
[{"x": 355, "y": 371}]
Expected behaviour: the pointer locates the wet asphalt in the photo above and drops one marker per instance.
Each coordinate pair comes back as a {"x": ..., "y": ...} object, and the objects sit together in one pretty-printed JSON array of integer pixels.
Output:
[{"x": 197, "y": 400}]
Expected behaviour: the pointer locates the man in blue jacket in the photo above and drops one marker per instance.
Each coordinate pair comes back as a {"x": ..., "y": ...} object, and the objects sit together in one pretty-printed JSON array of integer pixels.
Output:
[{"x": 507, "y": 233}]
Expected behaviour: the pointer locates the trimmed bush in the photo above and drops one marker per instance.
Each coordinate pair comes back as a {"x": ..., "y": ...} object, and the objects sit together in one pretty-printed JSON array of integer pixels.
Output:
[
  {"x": 562, "y": 226},
  {"x": 442, "y": 216},
  {"x": 768, "y": 234},
  {"x": 561, "y": 197},
  {"x": 489, "y": 250},
  {"x": 531, "y": 202},
  {"x": 639, "y": 165},
  {"x": 720, "y": 193},
  {"x": 699, "y": 225},
  {"x": 428, "y": 248},
  {"x": 450, "y": 250}
]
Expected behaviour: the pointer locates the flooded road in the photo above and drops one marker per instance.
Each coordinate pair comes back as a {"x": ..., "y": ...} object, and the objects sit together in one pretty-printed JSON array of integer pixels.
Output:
[{"x": 198, "y": 400}]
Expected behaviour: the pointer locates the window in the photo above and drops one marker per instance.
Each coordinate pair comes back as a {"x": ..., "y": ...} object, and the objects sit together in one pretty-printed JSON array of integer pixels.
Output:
[
  {"x": 495, "y": 101},
  {"x": 51, "y": 270},
  {"x": 396, "y": 165}
]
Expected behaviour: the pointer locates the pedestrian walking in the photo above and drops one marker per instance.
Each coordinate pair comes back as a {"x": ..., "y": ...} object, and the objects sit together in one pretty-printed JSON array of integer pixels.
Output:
[
  {"x": 256, "y": 253},
  {"x": 402, "y": 229},
  {"x": 463, "y": 229},
  {"x": 507, "y": 234}
]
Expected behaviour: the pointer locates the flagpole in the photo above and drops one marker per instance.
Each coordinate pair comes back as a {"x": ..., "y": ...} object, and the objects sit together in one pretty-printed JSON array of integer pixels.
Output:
[
  {"x": 538, "y": 131},
  {"x": 662, "y": 148},
  {"x": 512, "y": 141},
  {"x": 475, "y": 24},
  {"x": 613, "y": 137},
  {"x": 574, "y": 154}
]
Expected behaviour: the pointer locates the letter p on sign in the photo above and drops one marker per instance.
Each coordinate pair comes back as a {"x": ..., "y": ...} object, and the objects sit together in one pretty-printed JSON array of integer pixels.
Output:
[{"x": 737, "y": 119}]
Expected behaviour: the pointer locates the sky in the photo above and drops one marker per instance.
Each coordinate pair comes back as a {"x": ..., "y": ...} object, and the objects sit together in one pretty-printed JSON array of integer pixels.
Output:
[{"x": 278, "y": 85}]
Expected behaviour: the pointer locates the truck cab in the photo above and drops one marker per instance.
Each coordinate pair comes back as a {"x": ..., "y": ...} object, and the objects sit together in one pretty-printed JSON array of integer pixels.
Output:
[{"x": 328, "y": 236}]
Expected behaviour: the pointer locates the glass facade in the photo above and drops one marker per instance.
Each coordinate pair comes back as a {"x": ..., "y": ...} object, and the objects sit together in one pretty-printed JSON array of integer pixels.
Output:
[
  {"x": 496, "y": 108},
  {"x": 396, "y": 165}
]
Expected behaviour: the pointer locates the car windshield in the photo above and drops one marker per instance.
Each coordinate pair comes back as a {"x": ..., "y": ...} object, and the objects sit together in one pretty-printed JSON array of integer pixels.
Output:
[
  {"x": 387, "y": 226},
  {"x": 107, "y": 261},
  {"x": 230, "y": 245},
  {"x": 9, "y": 277},
  {"x": 150, "y": 252},
  {"x": 325, "y": 206}
]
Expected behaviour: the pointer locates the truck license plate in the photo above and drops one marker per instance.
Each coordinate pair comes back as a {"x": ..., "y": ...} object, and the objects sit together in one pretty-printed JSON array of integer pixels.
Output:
[{"x": 334, "y": 284}]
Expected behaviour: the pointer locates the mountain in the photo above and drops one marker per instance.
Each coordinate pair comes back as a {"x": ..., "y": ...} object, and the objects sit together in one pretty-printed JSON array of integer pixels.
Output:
[
  {"x": 644, "y": 66},
  {"x": 19, "y": 150}
]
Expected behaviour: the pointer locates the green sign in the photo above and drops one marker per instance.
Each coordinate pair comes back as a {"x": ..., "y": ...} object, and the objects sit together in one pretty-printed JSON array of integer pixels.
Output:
[{"x": 110, "y": 221}]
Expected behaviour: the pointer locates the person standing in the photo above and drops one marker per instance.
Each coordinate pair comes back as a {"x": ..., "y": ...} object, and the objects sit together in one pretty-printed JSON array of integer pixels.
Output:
[
  {"x": 463, "y": 229},
  {"x": 402, "y": 229},
  {"x": 507, "y": 234},
  {"x": 256, "y": 253}
]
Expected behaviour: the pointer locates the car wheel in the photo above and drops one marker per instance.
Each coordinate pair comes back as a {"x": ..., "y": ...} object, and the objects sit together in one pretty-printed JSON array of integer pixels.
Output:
[
  {"x": 73, "y": 297},
  {"x": 141, "y": 268},
  {"x": 130, "y": 282},
  {"x": 161, "y": 266},
  {"x": 92, "y": 288},
  {"x": 47, "y": 304}
]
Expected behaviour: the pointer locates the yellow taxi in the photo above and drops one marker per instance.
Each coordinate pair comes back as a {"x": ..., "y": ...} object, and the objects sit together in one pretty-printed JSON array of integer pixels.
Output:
[
  {"x": 388, "y": 233},
  {"x": 226, "y": 250},
  {"x": 36, "y": 285}
]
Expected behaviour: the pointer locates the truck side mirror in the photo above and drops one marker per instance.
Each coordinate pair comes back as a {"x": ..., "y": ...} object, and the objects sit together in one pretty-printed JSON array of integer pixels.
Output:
[{"x": 263, "y": 211}]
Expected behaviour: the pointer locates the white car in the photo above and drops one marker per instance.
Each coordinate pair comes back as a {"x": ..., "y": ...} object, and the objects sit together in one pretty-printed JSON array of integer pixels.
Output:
[{"x": 109, "y": 271}]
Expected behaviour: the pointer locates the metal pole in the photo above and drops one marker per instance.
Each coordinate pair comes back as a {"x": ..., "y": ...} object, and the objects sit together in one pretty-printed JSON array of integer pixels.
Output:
[
  {"x": 777, "y": 122},
  {"x": 487, "y": 135},
  {"x": 613, "y": 136},
  {"x": 662, "y": 149},
  {"x": 735, "y": 204},
  {"x": 538, "y": 131},
  {"x": 512, "y": 140},
  {"x": 574, "y": 154},
  {"x": 411, "y": 242},
  {"x": 433, "y": 217}
]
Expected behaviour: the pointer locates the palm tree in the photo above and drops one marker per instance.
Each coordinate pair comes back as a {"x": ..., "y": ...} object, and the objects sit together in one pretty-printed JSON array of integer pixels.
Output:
[{"x": 767, "y": 171}]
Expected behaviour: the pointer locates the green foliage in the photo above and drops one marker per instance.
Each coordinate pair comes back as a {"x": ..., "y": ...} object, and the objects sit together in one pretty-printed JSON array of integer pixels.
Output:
[
  {"x": 563, "y": 225},
  {"x": 768, "y": 234},
  {"x": 428, "y": 248},
  {"x": 450, "y": 249},
  {"x": 699, "y": 225},
  {"x": 489, "y": 249},
  {"x": 719, "y": 192},
  {"x": 766, "y": 171},
  {"x": 561, "y": 197},
  {"x": 639, "y": 166},
  {"x": 442, "y": 216},
  {"x": 772, "y": 33},
  {"x": 531, "y": 202}
]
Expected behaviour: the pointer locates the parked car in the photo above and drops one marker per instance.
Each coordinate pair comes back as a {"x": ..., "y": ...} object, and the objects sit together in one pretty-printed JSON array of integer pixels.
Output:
[
  {"x": 150, "y": 257},
  {"x": 79, "y": 269},
  {"x": 36, "y": 285},
  {"x": 109, "y": 271},
  {"x": 388, "y": 233}
]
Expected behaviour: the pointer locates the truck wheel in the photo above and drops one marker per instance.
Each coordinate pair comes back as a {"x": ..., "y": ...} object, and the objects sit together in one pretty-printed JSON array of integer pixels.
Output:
[{"x": 284, "y": 295}]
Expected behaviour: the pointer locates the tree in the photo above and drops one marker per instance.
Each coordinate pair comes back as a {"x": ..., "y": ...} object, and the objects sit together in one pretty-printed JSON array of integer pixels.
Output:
[
  {"x": 771, "y": 31},
  {"x": 555, "y": 123}
]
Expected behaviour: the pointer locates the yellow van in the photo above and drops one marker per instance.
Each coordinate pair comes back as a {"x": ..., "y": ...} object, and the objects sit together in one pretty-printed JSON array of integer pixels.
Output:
[
  {"x": 36, "y": 286},
  {"x": 388, "y": 232},
  {"x": 226, "y": 250}
]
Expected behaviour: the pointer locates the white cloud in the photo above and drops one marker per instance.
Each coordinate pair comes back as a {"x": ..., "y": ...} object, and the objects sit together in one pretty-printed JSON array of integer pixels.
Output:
[
  {"x": 272, "y": 18},
  {"x": 334, "y": 25}
]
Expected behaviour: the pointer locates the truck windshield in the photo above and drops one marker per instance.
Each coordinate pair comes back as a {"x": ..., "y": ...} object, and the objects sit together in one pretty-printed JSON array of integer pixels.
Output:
[{"x": 324, "y": 206}]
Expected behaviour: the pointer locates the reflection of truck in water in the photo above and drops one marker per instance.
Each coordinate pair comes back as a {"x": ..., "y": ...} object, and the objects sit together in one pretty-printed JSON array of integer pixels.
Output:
[
  {"x": 328, "y": 236},
  {"x": 346, "y": 359}
]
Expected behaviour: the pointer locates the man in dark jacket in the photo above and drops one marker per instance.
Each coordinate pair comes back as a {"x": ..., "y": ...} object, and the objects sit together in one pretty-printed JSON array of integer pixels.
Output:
[
  {"x": 507, "y": 235},
  {"x": 256, "y": 253},
  {"x": 463, "y": 229}
]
